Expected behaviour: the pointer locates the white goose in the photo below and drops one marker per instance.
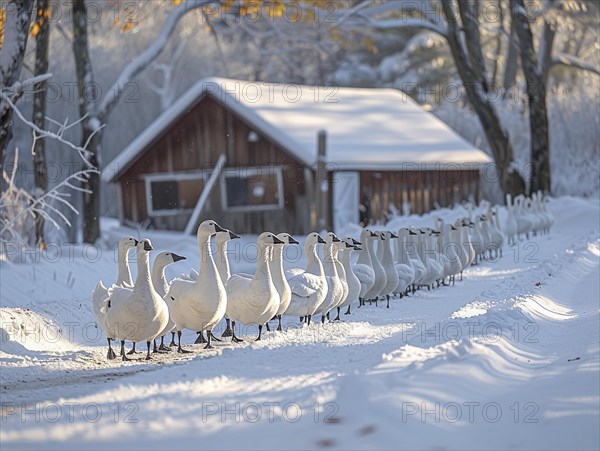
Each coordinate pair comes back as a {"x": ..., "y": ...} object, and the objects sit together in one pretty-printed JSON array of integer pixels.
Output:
[
  {"x": 309, "y": 286},
  {"x": 341, "y": 247},
  {"x": 354, "y": 284},
  {"x": 413, "y": 243},
  {"x": 380, "y": 277},
  {"x": 495, "y": 232},
  {"x": 450, "y": 252},
  {"x": 279, "y": 279},
  {"x": 100, "y": 293},
  {"x": 199, "y": 305},
  {"x": 363, "y": 268},
  {"x": 510, "y": 225},
  {"x": 335, "y": 288},
  {"x": 387, "y": 262},
  {"x": 161, "y": 285},
  {"x": 404, "y": 266},
  {"x": 222, "y": 263},
  {"x": 254, "y": 300},
  {"x": 137, "y": 314}
]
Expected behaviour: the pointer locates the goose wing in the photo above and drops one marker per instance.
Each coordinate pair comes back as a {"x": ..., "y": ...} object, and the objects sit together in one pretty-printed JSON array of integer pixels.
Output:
[
  {"x": 304, "y": 284},
  {"x": 99, "y": 294}
]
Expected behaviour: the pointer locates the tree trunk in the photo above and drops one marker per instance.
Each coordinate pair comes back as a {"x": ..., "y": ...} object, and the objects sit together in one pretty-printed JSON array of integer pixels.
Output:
[
  {"x": 91, "y": 201},
  {"x": 475, "y": 84},
  {"x": 42, "y": 41},
  {"x": 14, "y": 43},
  {"x": 510, "y": 69},
  {"x": 536, "y": 93}
]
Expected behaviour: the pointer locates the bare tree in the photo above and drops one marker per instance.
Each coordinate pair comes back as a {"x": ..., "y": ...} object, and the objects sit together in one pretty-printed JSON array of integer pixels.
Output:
[
  {"x": 14, "y": 43},
  {"x": 42, "y": 41},
  {"x": 536, "y": 93}
]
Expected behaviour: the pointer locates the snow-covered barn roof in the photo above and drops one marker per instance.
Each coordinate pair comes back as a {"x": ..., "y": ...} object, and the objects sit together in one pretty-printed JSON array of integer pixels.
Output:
[{"x": 367, "y": 129}]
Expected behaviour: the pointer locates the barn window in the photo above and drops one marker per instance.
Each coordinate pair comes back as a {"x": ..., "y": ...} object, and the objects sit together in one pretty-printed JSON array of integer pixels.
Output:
[
  {"x": 173, "y": 193},
  {"x": 252, "y": 188}
]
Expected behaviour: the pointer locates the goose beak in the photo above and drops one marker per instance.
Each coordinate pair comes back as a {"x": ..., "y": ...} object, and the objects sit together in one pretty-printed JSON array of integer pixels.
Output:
[
  {"x": 291, "y": 240},
  {"x": 452, "y": 228},
  {"x": 148, "y": 246},
  {"x": 136, "y": 242},
  {"x": 393, "y": 235},
  {"x": 356, "y": 248},
  {"x": 372, "y": 233},
  {"x": 177, "y": 258},
  {"x": 410, "y": 232},
  {"x": 277, "y": 240},
  {"x": 233, "y": 236},
  {"x": 320, "y": 240},
  {"x": 356, "y": 243},
  {"x": 334, "y": 238},
  {"x": 218, "y": 228}
]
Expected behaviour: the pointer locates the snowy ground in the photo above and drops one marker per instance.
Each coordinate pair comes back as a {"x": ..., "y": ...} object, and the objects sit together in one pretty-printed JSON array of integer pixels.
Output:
[{"x": 506, "y": 359}]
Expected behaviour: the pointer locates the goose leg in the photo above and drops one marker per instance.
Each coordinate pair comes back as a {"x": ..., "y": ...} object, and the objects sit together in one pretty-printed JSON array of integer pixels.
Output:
[
  {"x": 157, "y": 349},
  {"x": 123, "y": 355},
  {"x": 388, "y": 301},
  {"x": 302, "y": 319},
  {"x": 279, "y": 327},
  {"x": 309, "y": 317},
  {"x": 337, "y": 318},
  {"x": 259, "y": 332},
  {"x": 172, "y": 344},
  {"x": 200, "y": 338},
  {"x": 111, "y": 353},
  {"x": 322, "y": 319},
  {"x": 132, "y": 350},
  {"x": 179, "y": 348},
  {"x": 208, "y": 344},
  {"x": 348, "y": 311},
  {"x": 162, "y": 346},
  {"x": 233, "y": 337},
  {"x": 268, "y": 327},
  {"x": 148, "y": 357},
  {"x": 213, "y": 336},
  {"x": 227, "y": 331}
]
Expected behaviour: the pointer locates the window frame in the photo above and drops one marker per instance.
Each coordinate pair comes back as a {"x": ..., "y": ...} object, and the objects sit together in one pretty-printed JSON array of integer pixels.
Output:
[
  {"x": 249, "y": 171},
  {"x": 169, "y": 177}
]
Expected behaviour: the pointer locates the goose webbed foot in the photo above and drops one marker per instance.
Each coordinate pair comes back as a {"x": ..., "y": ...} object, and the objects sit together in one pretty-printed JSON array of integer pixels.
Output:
[
  {"x": 348, "y": 311},
  {"x": 200, "y": 339},
  {"x": 227, "y": 332},
  {"x": 132, "y": 350},
  {"x": 179, "y": 348},
  {"x": 123, "y": 354},
  {"x": 208, "y": 344},
  {"x": 111, "y": 353},
  {"x": 172, "y": 344},
  {"x": 236, "y": 339},
  {"x": 162, "y": 346},
  {"x": 213, "y": 337}
]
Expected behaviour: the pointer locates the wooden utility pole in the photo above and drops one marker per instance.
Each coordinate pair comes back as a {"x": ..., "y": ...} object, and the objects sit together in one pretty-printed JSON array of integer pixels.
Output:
[{"x": 321, "y": 182}]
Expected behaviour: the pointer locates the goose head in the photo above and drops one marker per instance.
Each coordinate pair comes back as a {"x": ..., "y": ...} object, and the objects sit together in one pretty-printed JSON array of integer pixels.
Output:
[
  {"x": 331, "y": 238},
  {"x": 349, "y": 243},
  {"x": 166, "y": 258},
  {"x": 268, "y": 239},
  {"x": 208, "y": 228},
  {"x": 127, "y": 243},
  {"x": 365, "y": 234},
  {"x": 225, "y": 236},
  {"x": 145, "y": 245},
  {"x": 312, "y": 239},
  {"x": 287, "y": 238}
]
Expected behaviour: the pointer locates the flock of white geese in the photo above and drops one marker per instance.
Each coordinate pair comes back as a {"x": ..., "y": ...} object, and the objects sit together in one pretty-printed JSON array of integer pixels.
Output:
[{"x": 389, "y": 264}]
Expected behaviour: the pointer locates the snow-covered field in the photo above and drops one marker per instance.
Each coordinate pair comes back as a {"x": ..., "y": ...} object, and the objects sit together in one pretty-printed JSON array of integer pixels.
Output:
[{"x": 506, "y": 359}]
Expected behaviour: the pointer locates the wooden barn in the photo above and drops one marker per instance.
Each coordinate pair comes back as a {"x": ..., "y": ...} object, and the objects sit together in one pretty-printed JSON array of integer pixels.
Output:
[{"x": 256, "y": 156}]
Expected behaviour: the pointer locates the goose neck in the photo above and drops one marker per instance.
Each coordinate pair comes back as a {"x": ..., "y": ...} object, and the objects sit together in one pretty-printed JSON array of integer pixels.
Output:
[{"x": 123, "y": 264}]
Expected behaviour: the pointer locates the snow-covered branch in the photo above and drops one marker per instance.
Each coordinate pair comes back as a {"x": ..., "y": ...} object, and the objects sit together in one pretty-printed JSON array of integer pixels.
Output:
[
  {"x": 39, "y": 133},
  {"x": 571, "y": 61},
  {"x": 150, "y": 54}
]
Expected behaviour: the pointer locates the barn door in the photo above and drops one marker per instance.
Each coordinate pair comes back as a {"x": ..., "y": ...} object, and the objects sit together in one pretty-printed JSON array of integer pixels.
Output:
[{"x": 346, "y": 187}]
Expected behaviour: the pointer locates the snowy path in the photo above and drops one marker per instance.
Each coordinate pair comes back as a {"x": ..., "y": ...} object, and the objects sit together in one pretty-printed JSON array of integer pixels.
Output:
[{"x": 508, "y": 358}]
